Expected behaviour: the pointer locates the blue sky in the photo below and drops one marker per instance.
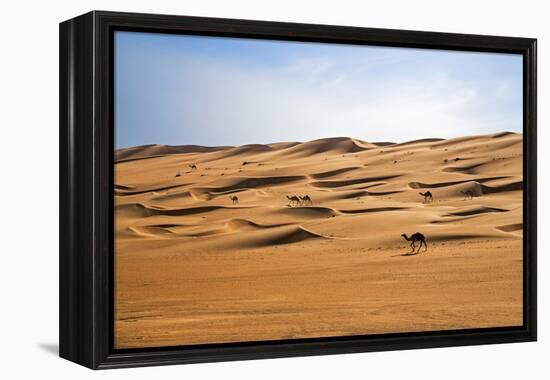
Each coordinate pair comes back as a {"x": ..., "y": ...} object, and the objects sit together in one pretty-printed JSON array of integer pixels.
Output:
[{"x": 176, "y": 90}]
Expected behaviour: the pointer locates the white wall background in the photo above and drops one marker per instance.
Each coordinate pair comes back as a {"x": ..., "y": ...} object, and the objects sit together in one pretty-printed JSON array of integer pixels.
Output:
[{"x": 29, "y": 187}]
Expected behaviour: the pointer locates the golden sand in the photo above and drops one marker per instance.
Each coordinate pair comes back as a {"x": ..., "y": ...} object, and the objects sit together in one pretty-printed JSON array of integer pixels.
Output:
[{"x": 192, "y": 266}]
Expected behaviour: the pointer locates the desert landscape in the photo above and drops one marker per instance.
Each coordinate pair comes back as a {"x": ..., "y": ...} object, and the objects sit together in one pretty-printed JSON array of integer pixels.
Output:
[{"x": 304, "y": 239}]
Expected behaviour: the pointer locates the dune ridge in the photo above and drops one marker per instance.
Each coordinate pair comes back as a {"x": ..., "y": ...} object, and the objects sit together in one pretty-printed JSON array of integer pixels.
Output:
[{"x": 154, "y": 150}]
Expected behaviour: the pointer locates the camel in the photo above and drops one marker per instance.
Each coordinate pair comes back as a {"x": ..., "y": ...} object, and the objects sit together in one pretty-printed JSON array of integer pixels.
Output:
[
  {"x": 428, "y": 197},
  {"x": 305, "y": 200},
  {"x": 193, "y": 167},
  {"x": 414, "y": 238},
  {"x": 234, "y": 199},
  {"x": 468, "y": 194},
  {"x": 293, "y": 199}
]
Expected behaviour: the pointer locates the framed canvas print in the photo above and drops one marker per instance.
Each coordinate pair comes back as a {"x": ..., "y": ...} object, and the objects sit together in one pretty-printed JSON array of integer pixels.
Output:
[{"x": 237, "y": 189}]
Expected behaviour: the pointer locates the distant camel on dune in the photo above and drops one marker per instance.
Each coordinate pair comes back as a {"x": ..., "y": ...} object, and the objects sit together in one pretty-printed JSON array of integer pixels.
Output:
[
  {"x": 468, "y": 194},
  {"x": 428, "y": 197},
  {"x": 293, "y": 199},
  {"x": 416, "y": 237},
  {"x": 305, "y": 200},
  {"x": 193, "y": 167},
  {"x": 234, "y": 199}
]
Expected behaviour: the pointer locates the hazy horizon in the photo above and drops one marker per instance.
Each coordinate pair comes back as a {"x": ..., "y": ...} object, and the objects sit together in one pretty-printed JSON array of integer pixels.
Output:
[
  {"x": 305, "y": 141},
  {"x": 219, "y": 91}
]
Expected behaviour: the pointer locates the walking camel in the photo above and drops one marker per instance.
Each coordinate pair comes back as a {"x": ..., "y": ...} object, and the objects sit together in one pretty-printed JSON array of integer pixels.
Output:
[
  {"x": 293, "y": 199},
  {"x": 416, "y": 237},
  {"x": 468, "y": 194},
  {"x": 428, "y": 197},
  {"x": 234, "y": 199},
  {"x": 305, "y": 200}
]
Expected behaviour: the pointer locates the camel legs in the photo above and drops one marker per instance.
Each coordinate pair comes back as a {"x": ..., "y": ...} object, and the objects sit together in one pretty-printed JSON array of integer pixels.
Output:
[{"x": 420, "y": 246}]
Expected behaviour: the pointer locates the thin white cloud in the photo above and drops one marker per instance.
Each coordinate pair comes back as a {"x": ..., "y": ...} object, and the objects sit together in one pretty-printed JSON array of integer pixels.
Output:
[{"x": 265, "y": 104}]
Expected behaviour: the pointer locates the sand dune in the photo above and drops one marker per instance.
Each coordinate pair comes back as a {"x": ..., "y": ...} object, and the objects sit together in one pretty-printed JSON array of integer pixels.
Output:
[
  {"x": 474, "y": 210},
  {"x": 244, "y": 151},
  {"x": 149, "y": 151},
  {"x": 305, "y": 212},
  {"x": 349, "y": 182},
  {"x": 420, "y": 185},
  {"x": 332, "y": 173},
  {"x": 416, "y": 142},
  {"x": 243, "y": 224},
  {"x": 255, "y": 182},
  {"x": 335, "y": 145},
  {"x": 133, "y": 190},
  {"x": 512, "y": 186},
  {"x": 151, "y": 231},
  {"x": 193, "y": 266},
  {"x": 279, "y": 236},
  {"x": 511, "y": 227}
]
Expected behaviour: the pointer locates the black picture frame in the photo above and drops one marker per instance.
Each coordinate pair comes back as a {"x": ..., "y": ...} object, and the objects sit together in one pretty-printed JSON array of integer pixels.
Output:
[{"x": 86, "y": 195}]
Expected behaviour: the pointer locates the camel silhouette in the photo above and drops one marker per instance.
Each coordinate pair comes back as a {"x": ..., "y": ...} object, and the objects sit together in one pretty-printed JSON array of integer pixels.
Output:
[
  {"x": 293, "y": 199},
  {"x": 468, "y": 194},
  {"x": 428, "y": 197},
  {"x": 234, "y": 199},
  {"x": 305, "y": 200},
  {"x": 416, "y": 237}
]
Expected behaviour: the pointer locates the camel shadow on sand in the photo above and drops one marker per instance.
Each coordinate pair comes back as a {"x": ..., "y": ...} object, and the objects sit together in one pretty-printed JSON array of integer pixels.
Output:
[{"x": 406, "y": 254}]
